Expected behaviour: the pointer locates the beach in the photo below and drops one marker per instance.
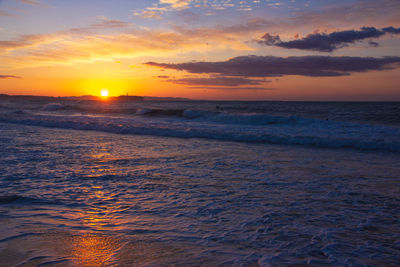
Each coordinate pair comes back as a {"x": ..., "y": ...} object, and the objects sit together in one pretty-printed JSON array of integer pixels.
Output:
[{"x": 101, "y": 196}]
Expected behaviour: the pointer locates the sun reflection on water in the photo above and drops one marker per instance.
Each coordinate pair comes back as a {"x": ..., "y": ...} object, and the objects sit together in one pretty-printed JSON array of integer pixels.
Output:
[
  {"x": 103, "y": 212},
  {"x": 94, "y": 250}
]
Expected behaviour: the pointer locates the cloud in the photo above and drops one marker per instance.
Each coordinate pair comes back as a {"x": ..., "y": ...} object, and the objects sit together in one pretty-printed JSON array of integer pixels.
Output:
[
  {"x": 217, "y": 81},
  {"x": 156, "y": 10},
  {"x": 9, "y": 77},
  {"x": 391, "y": 30},
  {"x": 225, "y": 88},
  {"x": 118, "y": 40},
  {"x": 176, "y": 4},
  {"x": 350, "y": 12},
  {"x": 207, "y": 7},
  {"x": 85, "y": 45},
  {"x": 26, "y": 40},
  {"x": 107, "y": 23},
  {"x": 150, "y": 13},
  {"x": 34, "y": 3},
  {"x": 5, "y": 14},
  {"x": 323, "y": 42},
  {"x": 270, "y": 66}
]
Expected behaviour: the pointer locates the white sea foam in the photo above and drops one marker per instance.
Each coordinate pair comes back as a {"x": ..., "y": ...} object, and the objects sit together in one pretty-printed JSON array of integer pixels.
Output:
[
  {"x": 242, "y": 127},
  {"x": 53, "y": 107}
]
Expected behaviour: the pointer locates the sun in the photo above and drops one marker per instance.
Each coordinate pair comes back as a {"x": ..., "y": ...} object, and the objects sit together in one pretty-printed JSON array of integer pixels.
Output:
[{"x": 104, "y": 92}]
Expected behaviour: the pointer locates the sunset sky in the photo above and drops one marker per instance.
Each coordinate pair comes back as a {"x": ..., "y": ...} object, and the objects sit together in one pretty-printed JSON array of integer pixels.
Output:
[{"x": 202, "y": 49}]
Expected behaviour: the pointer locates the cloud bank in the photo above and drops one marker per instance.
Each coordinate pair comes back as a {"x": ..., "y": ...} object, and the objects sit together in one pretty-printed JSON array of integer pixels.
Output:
[
  {"x": 324, "y": 42},
  {"x": 9, "y": 77},
  {"x": 217, "y": 81},
  {"x": 270, "y": 66}
]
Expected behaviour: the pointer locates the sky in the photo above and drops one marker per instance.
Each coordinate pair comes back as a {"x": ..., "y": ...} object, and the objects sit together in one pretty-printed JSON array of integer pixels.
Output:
[{"x": 321, "y": 50}]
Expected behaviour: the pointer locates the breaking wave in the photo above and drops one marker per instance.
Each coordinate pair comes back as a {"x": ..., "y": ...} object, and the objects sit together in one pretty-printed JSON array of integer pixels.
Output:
[{"x": 256, "y": 128}]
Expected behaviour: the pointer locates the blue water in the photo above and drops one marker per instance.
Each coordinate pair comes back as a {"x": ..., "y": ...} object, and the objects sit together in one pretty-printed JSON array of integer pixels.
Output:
[{"x": 199, "y": 183}]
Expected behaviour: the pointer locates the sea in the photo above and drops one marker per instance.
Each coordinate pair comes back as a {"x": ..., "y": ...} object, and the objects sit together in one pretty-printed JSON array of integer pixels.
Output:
[{"x": 199, "y": 183}]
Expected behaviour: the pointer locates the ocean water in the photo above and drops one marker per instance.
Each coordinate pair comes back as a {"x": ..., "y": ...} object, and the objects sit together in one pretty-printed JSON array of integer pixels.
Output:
[{"x": 197, "y": 183}]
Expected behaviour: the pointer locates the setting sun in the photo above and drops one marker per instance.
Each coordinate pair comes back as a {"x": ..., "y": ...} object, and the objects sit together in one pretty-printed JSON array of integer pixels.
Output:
[{"x": 104, "y": 92}]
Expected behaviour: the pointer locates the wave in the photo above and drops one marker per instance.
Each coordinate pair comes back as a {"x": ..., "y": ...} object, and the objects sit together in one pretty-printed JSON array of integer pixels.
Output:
[
  {"x": 213, "y": 116},
  {"x": 244, "y": 118},
  {"x": 53, "y": 107},
  {"x": 190, "y": 114},
  {"x": 220, "y": 126},
  {"x": 18, "y": 199},
  {"x": 247, "y": 113}
]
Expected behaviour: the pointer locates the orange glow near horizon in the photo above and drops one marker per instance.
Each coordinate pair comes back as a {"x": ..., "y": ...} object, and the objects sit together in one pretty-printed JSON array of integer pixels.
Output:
[
  {"x": 141, "y": 80},
  {"x": 363, "y": 87}
]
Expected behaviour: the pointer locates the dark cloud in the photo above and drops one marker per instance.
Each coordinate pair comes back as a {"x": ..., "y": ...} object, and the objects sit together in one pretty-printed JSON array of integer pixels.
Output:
[
  {"x": 323, "y": 42},
  {"x": 9, "y": 77},
  {"x": 269, "y": 39},
  {"x": 391, "y": 30},
  {"x": 227, "y": 88},
  {"x": 374, "y": 44},
  {"x": 218, "y": 81},
  {"x": 269, "y": 66}
]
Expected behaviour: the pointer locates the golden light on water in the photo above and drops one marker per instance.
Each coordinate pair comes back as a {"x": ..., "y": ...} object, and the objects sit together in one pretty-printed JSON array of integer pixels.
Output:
[{"x": 94, "y": 250}]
